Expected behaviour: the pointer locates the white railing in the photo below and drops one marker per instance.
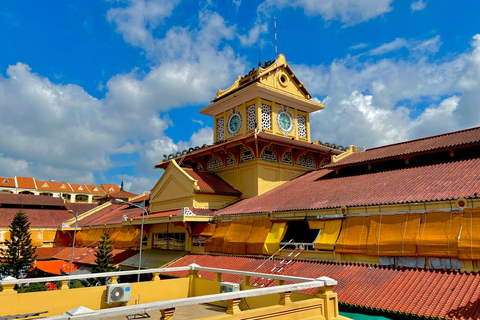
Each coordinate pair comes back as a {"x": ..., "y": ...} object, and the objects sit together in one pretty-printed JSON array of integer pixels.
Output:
[
  {"x": 300, "y": 283},
  {"x": 191, "y": 267}
]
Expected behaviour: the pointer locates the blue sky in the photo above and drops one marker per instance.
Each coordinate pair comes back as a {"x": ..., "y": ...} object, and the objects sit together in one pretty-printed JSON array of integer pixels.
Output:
[{"x": 91, "y": 91}]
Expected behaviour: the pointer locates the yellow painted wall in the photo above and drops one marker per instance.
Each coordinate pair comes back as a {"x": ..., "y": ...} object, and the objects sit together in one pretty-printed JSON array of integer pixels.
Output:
[
  {"x": 256, "y": 177},
  {"x": 162, "y": 228},
  {"x": 60, "y": 301}
]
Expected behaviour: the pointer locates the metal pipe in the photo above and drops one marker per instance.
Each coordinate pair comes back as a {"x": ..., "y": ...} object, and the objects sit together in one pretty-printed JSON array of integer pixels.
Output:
[
  {"x": 73, "y": 243},
  {"x": 141, "y": 229}
]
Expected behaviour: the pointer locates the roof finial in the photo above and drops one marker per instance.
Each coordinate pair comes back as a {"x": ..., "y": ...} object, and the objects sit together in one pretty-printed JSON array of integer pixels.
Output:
[{"x": 121, "y": 185}]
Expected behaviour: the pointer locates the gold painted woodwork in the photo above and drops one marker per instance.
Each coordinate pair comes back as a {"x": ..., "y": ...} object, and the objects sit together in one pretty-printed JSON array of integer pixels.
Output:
[{"x": 176, "y": 189}]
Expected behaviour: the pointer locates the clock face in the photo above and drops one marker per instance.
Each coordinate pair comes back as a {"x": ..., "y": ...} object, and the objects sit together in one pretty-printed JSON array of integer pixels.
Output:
[
  {"x": 234, "y": 123},
  {"x": 284, "y": 121}
]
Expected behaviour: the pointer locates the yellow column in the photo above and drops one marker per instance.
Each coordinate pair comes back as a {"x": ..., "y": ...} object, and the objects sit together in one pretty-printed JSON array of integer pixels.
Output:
[
  {"x": 232, "y": 306},
  {"x": 64, "y": 284},
  {"x": 285, "y": 298},
  {"x": 193, "y": 275},
  {"x": 114, "y": 280},
  {"x": 218, "y": 277},
  {"x": 156, "y": 276},
  {"x": 8, "y": 299},
  {"x": 330, "y": 301},
  {"x": 167, "y": 314}
]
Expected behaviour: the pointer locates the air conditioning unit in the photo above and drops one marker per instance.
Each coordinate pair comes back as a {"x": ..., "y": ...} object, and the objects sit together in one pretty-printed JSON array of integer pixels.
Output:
[
  {"x": 118, "y": 293},
  {"x": 229, "y": 287}
]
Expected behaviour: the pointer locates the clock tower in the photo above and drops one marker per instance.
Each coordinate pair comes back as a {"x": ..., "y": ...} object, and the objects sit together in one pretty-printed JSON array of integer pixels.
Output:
[
  {"x": 270, "y": 99},
  {"x": 261, "y": 133}
]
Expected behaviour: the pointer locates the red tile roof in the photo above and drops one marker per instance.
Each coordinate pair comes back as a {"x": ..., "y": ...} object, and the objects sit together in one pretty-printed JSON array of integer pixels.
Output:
[
  {"x": 443, "y": 141},
  {"x": 159, "y": 214},
  {"x": 323, "y": 189},
  {"x": 37, "y": 217},
  {"x": 48, "y": 253},
  {"x": 7, "y": 182},
  {"x": 26, "y": 182},
  {"x": 261, "y": 136},
  {"x": 29, "y": 199},
  {"x": 80, "y": 207},
  {"x": 308, "y": 145},
  {"x": 211, "y": 183},
  {"x": 87, "y": 255},
  {"x": 428, "y": 293},
  {"x": 110, "y": 215},
  {"x": 118, "y": 194}
]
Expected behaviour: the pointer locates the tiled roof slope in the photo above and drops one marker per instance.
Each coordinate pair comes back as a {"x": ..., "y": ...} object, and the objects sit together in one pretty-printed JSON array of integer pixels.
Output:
[
  {"x": 80, "y": 207},
  {"x": 28, "y": 199},
  {"x": 54, "y": 186},
  {"x": 175, "y": 212},
  {"x": 323, "y": 189},
  {"x": 87, "y": 255},
  {"x": 428, "y": 293},
  {"x": 7, "y": 182},
  {"x": 443, "y": 141},
  {"x": 37, "y": 217},
  {"x": 211, "y": 183},
  {"x": 26, "y": 182},
  {"x": 48, "y": 253},
  {"x": 109, "y": 215}
]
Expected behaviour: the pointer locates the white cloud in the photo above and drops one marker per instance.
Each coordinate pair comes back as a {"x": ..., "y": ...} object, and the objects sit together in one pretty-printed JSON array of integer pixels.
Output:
[
  {"x": 418, "y": 5},
  {"x": 137, "y": 20},
  {"x": 374, "y": 103},
  {"x": 358, "y": 46},
  {"x": 10, "y": 166},
  {"x": 349, "y": 12},
  {"x": 139, "y": 185}
]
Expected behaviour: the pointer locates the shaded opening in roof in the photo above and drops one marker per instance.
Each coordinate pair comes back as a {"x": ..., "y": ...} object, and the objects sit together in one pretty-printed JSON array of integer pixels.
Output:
[{"x": 299, "y": 232}]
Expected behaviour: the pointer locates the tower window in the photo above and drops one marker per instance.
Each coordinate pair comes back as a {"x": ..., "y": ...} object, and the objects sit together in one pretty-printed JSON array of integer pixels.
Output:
[
  {"x": 266, "y": 117},
  {"x": 302, "y": 126}
]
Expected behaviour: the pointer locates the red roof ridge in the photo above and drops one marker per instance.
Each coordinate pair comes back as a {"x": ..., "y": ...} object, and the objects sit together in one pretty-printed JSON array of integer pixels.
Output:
[{"x": 424, "y": 138}]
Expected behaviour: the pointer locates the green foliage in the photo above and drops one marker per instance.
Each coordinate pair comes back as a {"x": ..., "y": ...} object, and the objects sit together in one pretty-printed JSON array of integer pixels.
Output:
[
  {"x": 20, "y": 254},
  {"x": 104, "y": 258},
  {"x": 76, "y": 284},
  {"x": 34, "y": 287}
]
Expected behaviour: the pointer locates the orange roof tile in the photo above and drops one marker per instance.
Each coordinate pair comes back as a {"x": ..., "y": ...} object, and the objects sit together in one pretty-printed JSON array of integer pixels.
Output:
[
  {"x": 110, "y": 188},
  {"x": 54, "y": 186},
  {"x": 422, "y": 292},
  {"x": 7, "y": 182},
  {"x": 26, "y": 182},
  {"x": 95, "y": 189},
  {"x": 55, "y": 266},
  {"x": 80, "y": 188}
]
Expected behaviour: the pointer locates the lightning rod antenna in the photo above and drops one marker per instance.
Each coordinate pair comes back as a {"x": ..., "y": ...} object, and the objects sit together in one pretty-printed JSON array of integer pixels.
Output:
[{"x": 276, "y": 56}]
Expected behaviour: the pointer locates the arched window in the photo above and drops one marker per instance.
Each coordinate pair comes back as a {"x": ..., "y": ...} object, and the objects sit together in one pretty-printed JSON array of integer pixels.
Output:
[
  {"x": 269, "y": 154},
  {"x": 214, "y": 163},
  {"x": 246, "y": 154}
]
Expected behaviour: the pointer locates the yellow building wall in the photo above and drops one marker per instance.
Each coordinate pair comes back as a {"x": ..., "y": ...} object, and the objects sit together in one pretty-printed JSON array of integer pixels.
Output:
[
  {"x": 59, "y": 301},
  {"x": 170, "y": 228},
  {"x": 256, "y": 177}
]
